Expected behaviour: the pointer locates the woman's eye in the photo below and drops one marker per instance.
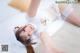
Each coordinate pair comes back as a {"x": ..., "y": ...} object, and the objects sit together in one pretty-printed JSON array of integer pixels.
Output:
[
  {"x": 31, "y": 27},
  {"x": 23, "y": 29}
]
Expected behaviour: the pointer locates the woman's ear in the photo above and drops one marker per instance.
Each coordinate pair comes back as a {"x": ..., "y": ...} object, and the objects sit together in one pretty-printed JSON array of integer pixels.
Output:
[{"x": 21, "y": 5}]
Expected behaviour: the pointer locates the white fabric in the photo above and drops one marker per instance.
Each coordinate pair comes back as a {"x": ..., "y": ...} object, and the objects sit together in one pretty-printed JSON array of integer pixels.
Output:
[{"x": 49, "y": 11}]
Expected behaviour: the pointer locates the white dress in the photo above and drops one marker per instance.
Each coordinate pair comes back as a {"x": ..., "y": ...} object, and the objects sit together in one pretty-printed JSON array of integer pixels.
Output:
[{"x": 48, "y": 18}]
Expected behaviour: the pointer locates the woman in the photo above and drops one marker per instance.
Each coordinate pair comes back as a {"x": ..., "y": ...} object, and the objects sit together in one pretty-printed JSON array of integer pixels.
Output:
[{"x": 68, "y": 14}]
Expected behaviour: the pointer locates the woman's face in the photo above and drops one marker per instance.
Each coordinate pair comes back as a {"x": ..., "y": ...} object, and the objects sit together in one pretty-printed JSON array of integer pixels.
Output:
[
  {"x": 29, "y": 29},
  {"x": 27, "y": 32}
]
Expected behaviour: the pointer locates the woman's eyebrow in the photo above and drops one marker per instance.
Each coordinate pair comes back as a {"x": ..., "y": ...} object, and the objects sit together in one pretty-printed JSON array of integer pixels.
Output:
[
  {"x": 24, "y": 28},
  {"x": 31, "y": 27}
]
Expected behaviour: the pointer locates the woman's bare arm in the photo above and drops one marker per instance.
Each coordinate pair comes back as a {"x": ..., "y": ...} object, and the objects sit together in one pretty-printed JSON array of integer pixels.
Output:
[
  {"x": 73, "y": 18},
  {"x": 33, "y": 7}
]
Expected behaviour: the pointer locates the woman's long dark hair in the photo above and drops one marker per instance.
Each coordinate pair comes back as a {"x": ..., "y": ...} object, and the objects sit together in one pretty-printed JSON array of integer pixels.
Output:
[{"x": 30, "y": 49}]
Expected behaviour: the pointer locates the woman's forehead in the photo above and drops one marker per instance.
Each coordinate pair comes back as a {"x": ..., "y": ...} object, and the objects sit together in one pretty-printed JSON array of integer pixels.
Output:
[
  {"x": 30, "y": 25},
  {"x": 25, "y": 26}
]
